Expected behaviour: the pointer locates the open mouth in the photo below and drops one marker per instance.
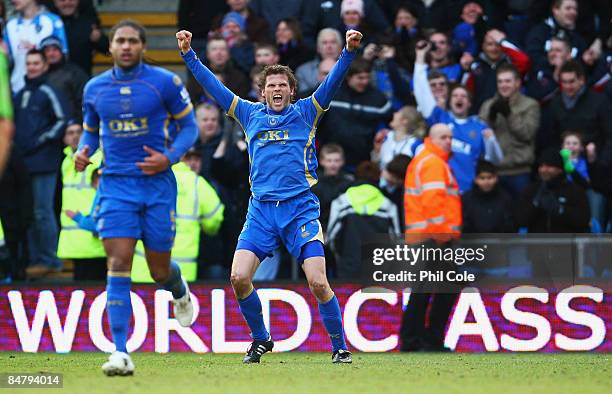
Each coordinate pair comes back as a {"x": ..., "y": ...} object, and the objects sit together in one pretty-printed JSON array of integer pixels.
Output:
[{"x": 277, "y": 99}]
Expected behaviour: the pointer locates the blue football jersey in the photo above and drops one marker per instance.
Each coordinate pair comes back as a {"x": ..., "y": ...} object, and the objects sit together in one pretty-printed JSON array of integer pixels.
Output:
[
  {"x": 467, "y": 146},
  {"x": 281, "y": 146},
  {"x": 132, "y": 109}
]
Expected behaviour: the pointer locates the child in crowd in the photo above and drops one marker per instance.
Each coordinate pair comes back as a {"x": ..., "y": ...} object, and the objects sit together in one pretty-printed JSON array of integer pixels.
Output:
[{"x": 486, "y": 207}]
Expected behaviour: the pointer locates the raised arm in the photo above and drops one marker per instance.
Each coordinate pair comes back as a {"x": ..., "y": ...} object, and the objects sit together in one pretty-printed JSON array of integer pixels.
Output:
[
  {"x": 426, "y": 102},
  {"x": 222, "y": 95},
  {"x": 328, "y": 88}
]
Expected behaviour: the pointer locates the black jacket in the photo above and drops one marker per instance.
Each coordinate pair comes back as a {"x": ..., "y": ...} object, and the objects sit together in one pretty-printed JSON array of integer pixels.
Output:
[
  {"x": 327, "y": 190},
  {"x": 557, "y": 206},
  {"x": 40, "y": 120},
  {"x": 69, "y": 79},
  {"x": 353, "y": 120},
  {"x": 16, "y": 204},
  {"x": 80, "y": 47},
  {"x": 539, "y": 36},
  {"x": 592, "y": 115},
  {"x": 487, "y": 212}
]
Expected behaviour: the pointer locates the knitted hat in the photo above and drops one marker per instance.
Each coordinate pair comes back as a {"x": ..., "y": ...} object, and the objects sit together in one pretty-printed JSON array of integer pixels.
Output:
[
  {"x": 49, "y": 41},
  {"x": 236, "y": 18},
  {"x": 351, "y": 5}
]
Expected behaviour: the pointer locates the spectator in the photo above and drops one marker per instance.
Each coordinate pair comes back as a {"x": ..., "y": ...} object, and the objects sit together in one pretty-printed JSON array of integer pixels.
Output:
[
  {"x": 80, "y": 245},
  {"x": 16, "y": 213},
  {"x": 439, "y": 85},
  {"x": 25, "y": 31},
  {"x": 332, "y": 180},
  {"x": 407, "y": 126},
  {"x": 543, "y": 80},
  {"x": 405, "y": 32},
  {"x": 562, "y": 24},
  {"x": 470, "y": 32},
  {"x": 356, "y": 216},
  {"x": 440, "y": 58},
  {"x": 515, "y": 119},
  {"x": 274, "y": 11},
  {"x": 329, "y": 46},
  {"x": 40, "y": 120},
  {"x": 551, "y": 204},
  {"x": 207, "y": 118},
  {"x": 439, "y": 15},
  {"x": 266, "y": 54},
  {"x": 323, "y": 69},
  {"x": 241, "y": 49},
  {"x": 197, "y": 17},
  {"x": 255, "y": 93},
  {"x": 496, "y": 50},
  {"x": 433, "y": 218},
  {"x": 579, "y": 108},
  {"x": 487, "y": 208},
  {"x": 574, "y": 155},
  {"x": 83, "y": 32},
  {"x": 392, "y": 183},
  {"x": 291, "y": 48},
  {"x": 256, "y": 28},
  {"x": 230, "y": 168},
  {"x": 576, "y": 166},
  {"x": 358, "y": 109},
  {"x": 327, "y": 13},
  {"x": 472, "y": 138},
  {"x": 352, "y": 17},
  {"x": 67, "y": 78},
  {"x": 218, "y": 59},
  {"x": 388, "y": 77}
]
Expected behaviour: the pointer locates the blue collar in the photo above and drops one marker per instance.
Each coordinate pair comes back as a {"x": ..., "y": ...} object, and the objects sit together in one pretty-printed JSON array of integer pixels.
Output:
[{"x": 122, "y": 74}]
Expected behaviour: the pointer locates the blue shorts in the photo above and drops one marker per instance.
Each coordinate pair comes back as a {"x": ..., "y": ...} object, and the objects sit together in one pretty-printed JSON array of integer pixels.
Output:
[
  {"x": 138, "y": 207},
  {"x": 293, "y": 222}
]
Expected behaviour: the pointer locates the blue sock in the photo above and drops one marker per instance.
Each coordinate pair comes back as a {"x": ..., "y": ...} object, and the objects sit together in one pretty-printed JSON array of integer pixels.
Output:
[
  {"x": 251, "y": 310},
  {"x": 119, "y": 309},
  {"x": 332, "y": 319},
  {"x": 174, "y": 284}
]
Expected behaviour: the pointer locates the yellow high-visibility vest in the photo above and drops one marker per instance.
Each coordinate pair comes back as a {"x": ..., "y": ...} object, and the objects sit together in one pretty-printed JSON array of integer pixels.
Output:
[
  {"x": 78, "y": 195},
  {"x": 197, "y": 204}
]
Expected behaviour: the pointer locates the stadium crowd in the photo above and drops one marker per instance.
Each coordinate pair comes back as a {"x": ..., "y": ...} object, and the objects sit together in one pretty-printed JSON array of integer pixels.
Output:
[{"x": 524, "y": 86}]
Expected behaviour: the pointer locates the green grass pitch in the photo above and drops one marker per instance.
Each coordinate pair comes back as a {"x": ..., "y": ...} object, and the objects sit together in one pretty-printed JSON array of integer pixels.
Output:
[{"x": 313, "y": 373}]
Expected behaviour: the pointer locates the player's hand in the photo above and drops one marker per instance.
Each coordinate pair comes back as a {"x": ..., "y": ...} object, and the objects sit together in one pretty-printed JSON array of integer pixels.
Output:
[
  {"x": 353, "y": 39},
  {"x": 81, "y": 159},
  {"x": 155, "y": 163},
  {"x": 184, "y": 40},
  {"x": 70, "y": 214},
  {"x": 487, "y": 133}
]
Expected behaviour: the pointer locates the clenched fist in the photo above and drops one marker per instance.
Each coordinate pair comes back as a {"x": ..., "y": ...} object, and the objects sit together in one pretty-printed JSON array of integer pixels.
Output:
[
  {"x": 353, "y": 39},
  {"x": 184, "y": 40}
]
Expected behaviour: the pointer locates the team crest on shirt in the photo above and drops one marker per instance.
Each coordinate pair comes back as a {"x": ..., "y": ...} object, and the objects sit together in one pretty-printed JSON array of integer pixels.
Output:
[
  {"x": 177, "y": 80},
  {"x": 472, "y": 134},
  {"x": 126, "y": 104},
  {"x": 272, "y": 120}
]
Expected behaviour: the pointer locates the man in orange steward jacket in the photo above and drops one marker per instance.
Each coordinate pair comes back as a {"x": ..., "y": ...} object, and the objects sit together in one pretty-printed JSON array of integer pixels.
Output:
[
  {"x": 432, "y": 204},
  {"x": 433, "y": 218}
]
